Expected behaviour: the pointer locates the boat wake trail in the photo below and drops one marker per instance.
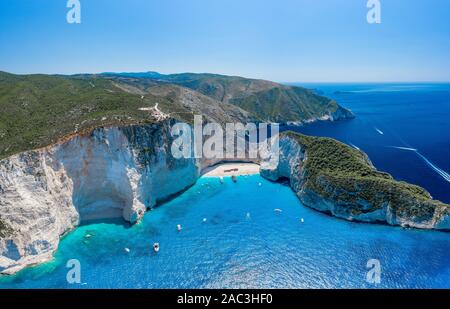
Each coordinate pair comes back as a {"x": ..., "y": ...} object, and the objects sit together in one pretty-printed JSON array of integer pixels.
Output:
[
  {"x": 405, "y": 148},
  {"x": 379, "y": 131},
  {"x": 356, "y": 147},
  {"x": 438, "y": 170}
]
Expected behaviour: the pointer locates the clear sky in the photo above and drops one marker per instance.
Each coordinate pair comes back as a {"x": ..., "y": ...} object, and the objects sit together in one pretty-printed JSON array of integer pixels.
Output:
[{"x": 281, "y": 40}]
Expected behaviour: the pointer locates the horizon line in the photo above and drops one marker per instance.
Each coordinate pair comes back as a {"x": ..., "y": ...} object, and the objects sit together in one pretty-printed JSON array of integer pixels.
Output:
[{"x": 277, "y": 81}]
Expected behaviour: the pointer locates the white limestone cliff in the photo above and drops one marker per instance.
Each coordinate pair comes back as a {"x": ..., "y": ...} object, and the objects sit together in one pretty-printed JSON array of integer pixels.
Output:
[
  {"x": 111, "y": 172},
  {"x": 291, "y": 165}
]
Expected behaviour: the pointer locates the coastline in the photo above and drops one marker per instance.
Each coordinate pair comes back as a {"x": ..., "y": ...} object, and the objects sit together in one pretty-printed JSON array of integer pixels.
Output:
[{"x": 231, "y": 169}]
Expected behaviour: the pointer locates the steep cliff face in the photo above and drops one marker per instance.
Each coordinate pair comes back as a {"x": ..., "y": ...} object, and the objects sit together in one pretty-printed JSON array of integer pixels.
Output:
[
  {"x": 334, "y": 178},
  {"x": 335, "y": 113},
  {"x": 122, "y": 171},
  {"x": 341, "y": 114},
  {"x": 110, "y": 172}
]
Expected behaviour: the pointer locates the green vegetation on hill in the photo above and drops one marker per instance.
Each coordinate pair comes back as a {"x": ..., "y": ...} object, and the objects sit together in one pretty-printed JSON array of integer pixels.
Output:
[
  {"x": 37, "y": 110},
  {"x": 5, "y": 230},
  {"x": 265, "y": 100},
  {"x": 341, "y": 173},
  {"x": 284, "y": 104},
  {"x": 220, "y": 87}
]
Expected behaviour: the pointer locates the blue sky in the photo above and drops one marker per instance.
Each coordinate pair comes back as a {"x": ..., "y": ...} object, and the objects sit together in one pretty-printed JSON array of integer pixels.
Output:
[{"x": 281, "y": 40}]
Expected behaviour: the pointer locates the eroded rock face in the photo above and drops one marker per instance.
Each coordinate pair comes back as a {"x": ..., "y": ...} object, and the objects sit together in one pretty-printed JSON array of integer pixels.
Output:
[
  {"x": 121, "y": 172},
  {"x": 292, "y": 165},
  {"x": 111, "y": 172}
]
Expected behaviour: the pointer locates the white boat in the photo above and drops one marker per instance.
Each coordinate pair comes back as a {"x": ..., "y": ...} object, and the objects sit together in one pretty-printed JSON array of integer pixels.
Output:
[
  {"x": 178, "y": 227},
  {"x": 156, "y": 247},
  {"x": 302, "y": 220},
  {"x": 127, "y": 250}
]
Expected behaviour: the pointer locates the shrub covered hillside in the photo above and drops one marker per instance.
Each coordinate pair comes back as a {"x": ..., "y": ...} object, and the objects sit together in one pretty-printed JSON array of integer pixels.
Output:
[
  {"x": 265, "y": 100},
  {"x": 5, "y": 230},
  {"x": 346, "y": 176},
  {"x": 36, "y": 110}
]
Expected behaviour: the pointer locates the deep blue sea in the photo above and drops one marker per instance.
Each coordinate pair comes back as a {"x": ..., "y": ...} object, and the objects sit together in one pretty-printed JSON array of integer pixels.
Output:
[
  {"x": 404, "y": 128},
  {"x": 245, "y": 243}
]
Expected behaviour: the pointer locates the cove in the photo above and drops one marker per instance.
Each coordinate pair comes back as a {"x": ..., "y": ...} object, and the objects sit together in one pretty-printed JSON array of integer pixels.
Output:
[{"x": 244, "y": 243}]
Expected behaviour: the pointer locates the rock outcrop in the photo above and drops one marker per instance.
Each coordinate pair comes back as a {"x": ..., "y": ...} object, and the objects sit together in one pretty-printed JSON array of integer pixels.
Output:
[
  {"x": 109, "y": 172},
  {"x": 339, "y": 113},
  {"x": 91, "y": 147},
  {"x": 124, "y": 171},
  {"x": 334, "y": 178}
]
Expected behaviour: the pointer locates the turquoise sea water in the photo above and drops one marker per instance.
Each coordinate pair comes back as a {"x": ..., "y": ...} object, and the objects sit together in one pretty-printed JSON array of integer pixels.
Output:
[{"x": 243, "y": 244}]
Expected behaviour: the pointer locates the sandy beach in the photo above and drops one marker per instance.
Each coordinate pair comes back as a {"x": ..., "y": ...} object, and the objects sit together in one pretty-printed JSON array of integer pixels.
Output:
[{"x": 229, "y": 169}]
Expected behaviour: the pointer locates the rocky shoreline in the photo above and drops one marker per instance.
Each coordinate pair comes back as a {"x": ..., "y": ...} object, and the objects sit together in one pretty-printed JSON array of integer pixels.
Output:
[
  {"x": 340, "y": 114},
  {"x": 111, "y": 172},
  {"x": 334, "y": 178},
  {"x": 124, "y": 171}
]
